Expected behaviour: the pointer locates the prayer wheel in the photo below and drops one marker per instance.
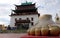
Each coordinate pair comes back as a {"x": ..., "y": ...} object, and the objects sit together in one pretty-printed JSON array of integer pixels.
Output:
[
  {"x": 37, "y": 31},
  {"x": 44, "y": 31},
  {"x": 32, "y": 31},
  {"x": 54, "y": 30}
]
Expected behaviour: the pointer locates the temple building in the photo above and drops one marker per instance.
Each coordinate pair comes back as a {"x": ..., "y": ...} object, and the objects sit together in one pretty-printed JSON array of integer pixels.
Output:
[{"x": 24, "y": 15}]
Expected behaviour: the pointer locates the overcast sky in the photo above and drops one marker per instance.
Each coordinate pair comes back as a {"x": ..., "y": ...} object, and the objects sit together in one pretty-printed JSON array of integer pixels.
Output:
[{"x": 44, "y": 7}]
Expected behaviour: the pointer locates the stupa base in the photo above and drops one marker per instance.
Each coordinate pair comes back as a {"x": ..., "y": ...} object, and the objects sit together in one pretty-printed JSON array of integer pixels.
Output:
[{"x": 28, "y": 36}]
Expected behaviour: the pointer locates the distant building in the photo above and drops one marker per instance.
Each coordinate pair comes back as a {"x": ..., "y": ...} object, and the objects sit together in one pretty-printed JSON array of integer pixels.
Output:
[
  {"x": 57, "y": 20},
  {"x": 2, "y": 27},
  {"x": 25, "y": 15}
]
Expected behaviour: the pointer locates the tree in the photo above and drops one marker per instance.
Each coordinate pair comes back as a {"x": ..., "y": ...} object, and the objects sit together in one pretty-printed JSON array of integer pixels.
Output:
[{"x": 9, "y": 28}]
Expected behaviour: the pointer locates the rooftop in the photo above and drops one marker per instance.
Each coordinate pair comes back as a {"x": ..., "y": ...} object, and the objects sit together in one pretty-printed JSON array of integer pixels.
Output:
[{"x": 26, "y": 3}]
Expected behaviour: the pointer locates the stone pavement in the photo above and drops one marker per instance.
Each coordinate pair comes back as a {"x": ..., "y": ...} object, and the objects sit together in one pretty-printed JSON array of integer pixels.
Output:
[{"x": 10, "y": 35}]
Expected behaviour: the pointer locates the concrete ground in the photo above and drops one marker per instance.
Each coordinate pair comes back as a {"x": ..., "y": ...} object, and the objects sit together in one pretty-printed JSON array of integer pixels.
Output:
[{"x": 10, "y": 35}]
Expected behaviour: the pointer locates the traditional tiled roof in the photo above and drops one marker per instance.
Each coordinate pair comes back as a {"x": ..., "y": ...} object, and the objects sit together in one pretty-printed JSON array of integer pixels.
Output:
[
  {"x": 25, "y": 10},
  {"x": 25, "y": 4},
  {"x": 29, "y": 9}
]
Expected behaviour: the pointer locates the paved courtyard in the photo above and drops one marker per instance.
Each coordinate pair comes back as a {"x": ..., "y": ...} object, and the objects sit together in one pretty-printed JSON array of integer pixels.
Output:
[
  {"x": 10, "y": 35},
  {"x": 17, "y": 35}
]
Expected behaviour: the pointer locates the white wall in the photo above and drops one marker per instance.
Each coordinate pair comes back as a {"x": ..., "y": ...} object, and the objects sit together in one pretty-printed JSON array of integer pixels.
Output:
[{"x": 12, "y": 21}]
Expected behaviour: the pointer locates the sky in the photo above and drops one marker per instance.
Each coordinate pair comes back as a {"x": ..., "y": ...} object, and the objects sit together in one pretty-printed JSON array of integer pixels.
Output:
[{"x": 44, "y": 7}]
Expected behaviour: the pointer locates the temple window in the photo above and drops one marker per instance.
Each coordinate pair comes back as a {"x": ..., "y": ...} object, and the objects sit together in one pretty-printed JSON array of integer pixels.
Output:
[
  {"x": 31, "y": 23},
  {"x": 27, "y": 18},
  {"x": 32, "y": 18},
  {"x": 19, "y": 18}
]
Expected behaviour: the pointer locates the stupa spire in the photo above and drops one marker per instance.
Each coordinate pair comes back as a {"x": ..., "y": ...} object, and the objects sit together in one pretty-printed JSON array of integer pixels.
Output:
[
  {"x": 56, "y": 14},
  {"x": 57, "y": 17}
]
